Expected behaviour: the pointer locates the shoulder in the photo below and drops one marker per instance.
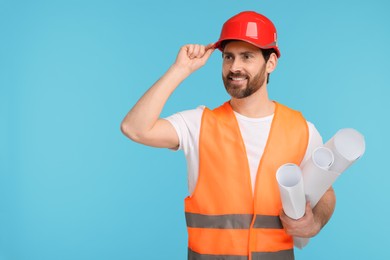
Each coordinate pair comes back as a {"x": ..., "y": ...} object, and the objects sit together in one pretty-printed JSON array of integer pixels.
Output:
[
  {"x": 286, "y": 112},
  {"x": 187, "y": 125},
  {"x": 187, "y": 116}
]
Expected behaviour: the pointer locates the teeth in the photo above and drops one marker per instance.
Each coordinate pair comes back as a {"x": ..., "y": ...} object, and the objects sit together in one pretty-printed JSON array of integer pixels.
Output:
[{"x": 238, "y": 78}]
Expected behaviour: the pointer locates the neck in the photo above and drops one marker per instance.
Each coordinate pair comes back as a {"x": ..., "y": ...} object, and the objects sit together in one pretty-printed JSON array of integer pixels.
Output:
[{"x": 256, "y": 105}]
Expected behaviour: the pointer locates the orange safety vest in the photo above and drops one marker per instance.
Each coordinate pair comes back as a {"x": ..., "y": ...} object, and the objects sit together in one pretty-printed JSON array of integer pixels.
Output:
[{"x": 225, "y": 220}]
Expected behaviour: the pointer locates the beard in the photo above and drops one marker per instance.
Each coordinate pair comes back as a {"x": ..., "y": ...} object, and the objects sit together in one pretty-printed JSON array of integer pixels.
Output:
[{"x": 252, "y": 85}]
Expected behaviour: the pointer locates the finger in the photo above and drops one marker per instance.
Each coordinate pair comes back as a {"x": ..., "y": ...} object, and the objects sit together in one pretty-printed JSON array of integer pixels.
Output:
[
  {"x": 195, "y": 54},
  {"x": 194, "y": 51},
  {"x": 190, "y": 50},
  {"x": 202, "y": 51},
  {"x": 208, "y": 53},
  {"x": 283, "y": 217},
  {"x": 281, "y": 213},
  {"x": 210, "y": 46},
  {"x": 285, "y": 221},
  {"x": 308, "y": 209}
]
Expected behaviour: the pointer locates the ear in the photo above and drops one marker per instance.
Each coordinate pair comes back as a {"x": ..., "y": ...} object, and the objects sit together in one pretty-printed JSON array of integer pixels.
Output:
[{"x": 272, "y": 63}]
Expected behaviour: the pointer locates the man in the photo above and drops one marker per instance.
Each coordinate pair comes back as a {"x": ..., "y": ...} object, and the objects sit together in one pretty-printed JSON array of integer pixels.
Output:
[{"x": 234, "y": 209}]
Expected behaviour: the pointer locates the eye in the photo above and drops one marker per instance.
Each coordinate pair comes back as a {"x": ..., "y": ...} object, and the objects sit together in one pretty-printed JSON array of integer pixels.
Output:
[
  {"x": 227, "y": 57},
  {"x": 247, "y": 56}
]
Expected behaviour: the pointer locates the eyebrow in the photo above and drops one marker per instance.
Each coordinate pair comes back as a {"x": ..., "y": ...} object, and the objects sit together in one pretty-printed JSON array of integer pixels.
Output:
[{"x": 241, "y": 53}]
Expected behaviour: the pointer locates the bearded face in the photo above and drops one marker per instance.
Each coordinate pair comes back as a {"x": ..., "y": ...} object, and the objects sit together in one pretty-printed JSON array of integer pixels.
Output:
[
  {"x": 241, "y": 85},
  {"x": 244, "y": 69}
]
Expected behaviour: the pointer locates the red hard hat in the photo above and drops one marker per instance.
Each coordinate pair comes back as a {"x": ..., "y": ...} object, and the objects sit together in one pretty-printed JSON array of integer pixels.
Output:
[{"x": 250, "y": 27}]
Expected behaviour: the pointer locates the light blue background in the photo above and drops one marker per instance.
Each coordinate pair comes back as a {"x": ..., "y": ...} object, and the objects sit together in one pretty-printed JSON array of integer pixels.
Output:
[{"x": 73, "y": 187}]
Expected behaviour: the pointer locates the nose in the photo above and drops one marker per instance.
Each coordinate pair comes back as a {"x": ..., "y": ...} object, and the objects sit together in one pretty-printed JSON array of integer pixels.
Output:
[{"x": 236, "y": 66}]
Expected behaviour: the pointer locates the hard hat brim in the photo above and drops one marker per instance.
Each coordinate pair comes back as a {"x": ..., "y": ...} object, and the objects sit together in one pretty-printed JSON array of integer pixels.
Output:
[{"x": 218, "y": 45}]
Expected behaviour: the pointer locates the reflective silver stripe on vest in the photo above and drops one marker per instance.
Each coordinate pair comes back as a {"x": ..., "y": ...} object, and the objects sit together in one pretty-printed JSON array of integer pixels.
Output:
[
  {"x": 263, "y": 221},
  {"x": 232, "y": 221},
  {"x": 279, "y": 255},
  {"x": 195, "y": 256}
]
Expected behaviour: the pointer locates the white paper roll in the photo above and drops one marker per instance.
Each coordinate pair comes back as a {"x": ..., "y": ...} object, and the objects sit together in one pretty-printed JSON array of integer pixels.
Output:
[
  {"x": 292, "y": 194},
  {"x": 300, "y": 242},
  {"x": 347, "y": 145},
  {"x": 318, "y": 173},
  {"x": 289, "y": 177},
  {"x": 317, "y": 178}
]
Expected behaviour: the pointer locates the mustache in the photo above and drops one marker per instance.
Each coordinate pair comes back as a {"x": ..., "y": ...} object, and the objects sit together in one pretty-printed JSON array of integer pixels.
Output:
[{"x": 236, "y": 75}]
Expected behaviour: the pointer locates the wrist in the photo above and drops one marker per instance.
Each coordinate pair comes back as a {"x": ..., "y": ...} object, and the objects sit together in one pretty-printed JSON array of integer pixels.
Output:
[{"x": 180, "y": 71}]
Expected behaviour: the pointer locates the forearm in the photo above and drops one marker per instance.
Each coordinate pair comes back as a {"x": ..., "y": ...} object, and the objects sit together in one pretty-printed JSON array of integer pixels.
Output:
[
  {"x": 324, "y": 208},
  {"x": 147, "y": 110},
  {"x": 142, "y": 123}
]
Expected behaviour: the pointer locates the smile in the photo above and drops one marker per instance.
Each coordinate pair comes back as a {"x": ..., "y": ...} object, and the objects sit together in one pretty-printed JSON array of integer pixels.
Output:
[{"x": 237, "y": 79}]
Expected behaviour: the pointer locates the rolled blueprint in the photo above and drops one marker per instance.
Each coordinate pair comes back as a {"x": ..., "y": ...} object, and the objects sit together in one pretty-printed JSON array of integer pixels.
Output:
[
  {"x": 317, "y": 178},
  {"x": 292, "y": 194},
  {"x": 318, "y": 174},
  {"x": 289, "y": 178},
  {"x": 347, "y": 145},
  {"x": 326, "y": 165}
]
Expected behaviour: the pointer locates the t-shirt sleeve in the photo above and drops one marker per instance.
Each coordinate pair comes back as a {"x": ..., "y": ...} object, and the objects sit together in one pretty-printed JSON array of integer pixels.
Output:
[
  {"x": 187, "y": 126},
  {"x": 315, "y": 140}
]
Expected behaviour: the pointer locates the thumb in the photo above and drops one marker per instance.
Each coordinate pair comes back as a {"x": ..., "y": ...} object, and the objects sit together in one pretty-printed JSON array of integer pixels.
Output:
[
  {"x": 210, "y": 46},
  {"x": 209, "y": 50}
]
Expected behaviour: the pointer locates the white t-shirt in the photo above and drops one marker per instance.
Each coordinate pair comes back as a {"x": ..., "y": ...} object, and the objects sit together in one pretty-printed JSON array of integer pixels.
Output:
[{"x": 187, "y": 125}]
